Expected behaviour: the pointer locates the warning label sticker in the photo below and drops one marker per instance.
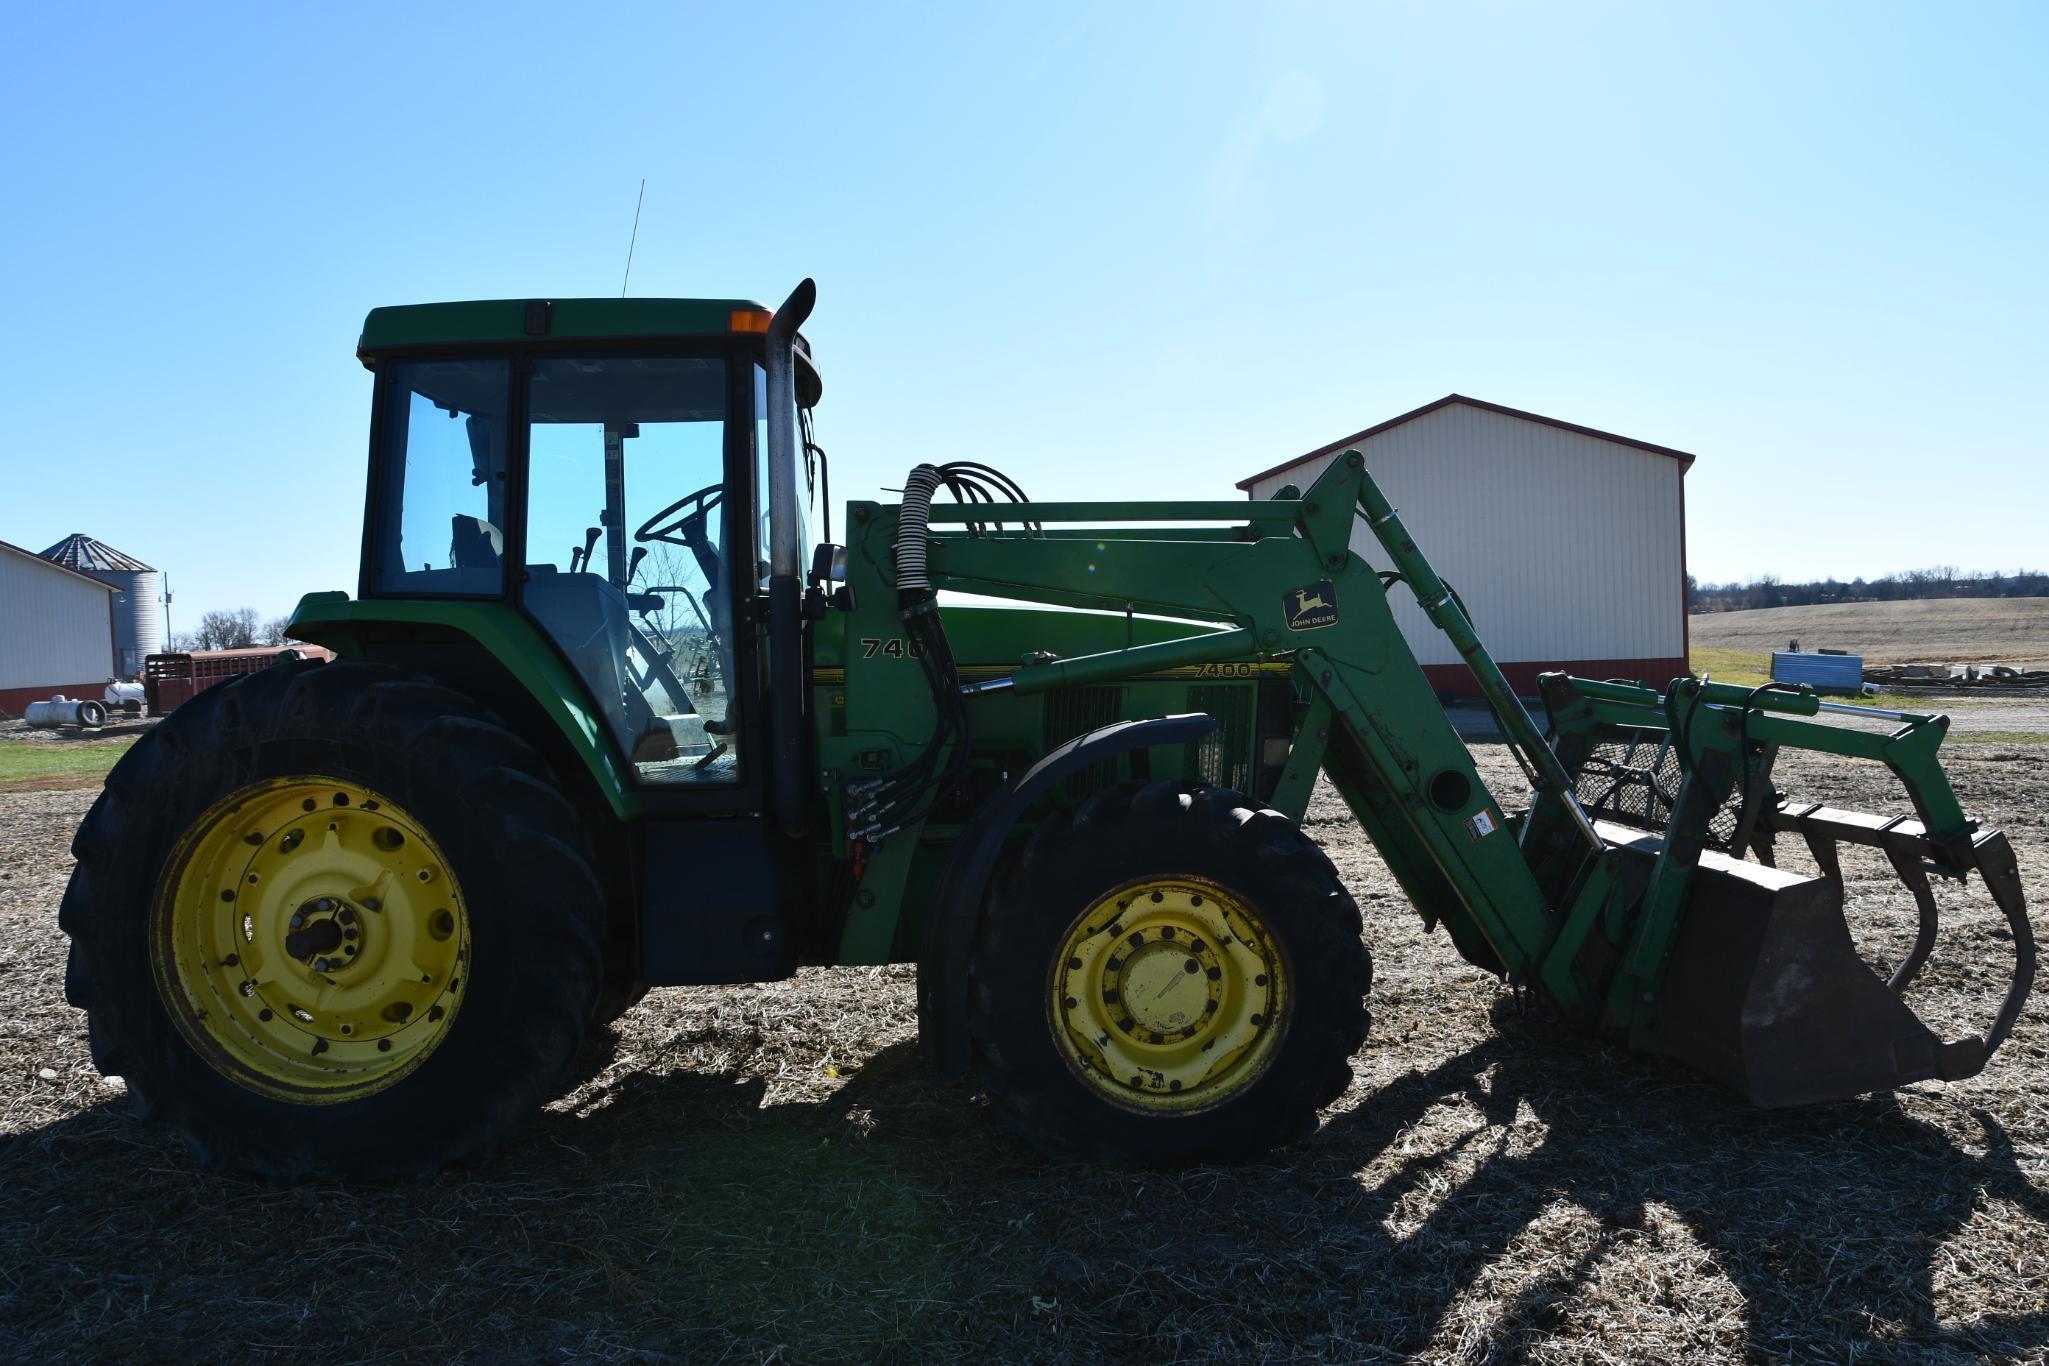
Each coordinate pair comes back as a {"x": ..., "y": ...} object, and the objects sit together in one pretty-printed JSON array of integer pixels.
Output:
[{"x": 1479, "y": 825}]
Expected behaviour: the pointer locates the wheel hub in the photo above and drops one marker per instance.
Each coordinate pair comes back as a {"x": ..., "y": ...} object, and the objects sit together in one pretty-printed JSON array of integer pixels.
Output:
[
  {"x": 312, "y": 939},
  {"x": 323, "y": 935},
  {"x": 1168, "y": 994}
]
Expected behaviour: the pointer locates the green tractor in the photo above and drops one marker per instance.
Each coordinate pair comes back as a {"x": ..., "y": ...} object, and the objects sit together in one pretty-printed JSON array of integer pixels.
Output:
[{"x": 355, "y": 919}]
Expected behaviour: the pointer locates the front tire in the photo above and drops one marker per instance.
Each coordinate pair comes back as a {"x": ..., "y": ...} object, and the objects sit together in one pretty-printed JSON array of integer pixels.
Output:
[
  {"x": 1167, "y": 975},
  {"x": 332, "y": 921}
]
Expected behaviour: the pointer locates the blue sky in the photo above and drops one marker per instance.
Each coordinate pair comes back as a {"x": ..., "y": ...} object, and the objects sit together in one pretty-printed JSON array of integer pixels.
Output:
[{"x": 1113, "y": 249}]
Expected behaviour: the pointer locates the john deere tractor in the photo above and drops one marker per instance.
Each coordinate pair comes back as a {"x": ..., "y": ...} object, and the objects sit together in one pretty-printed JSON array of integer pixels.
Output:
[{"x": 355, "y": 918}]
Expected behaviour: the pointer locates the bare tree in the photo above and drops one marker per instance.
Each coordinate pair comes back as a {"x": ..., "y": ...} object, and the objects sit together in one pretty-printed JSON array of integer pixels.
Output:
[
  {"x": 277, "y": 631},
  {"x": 679, "y": 625},
  {"x": 227, "y": 630}
]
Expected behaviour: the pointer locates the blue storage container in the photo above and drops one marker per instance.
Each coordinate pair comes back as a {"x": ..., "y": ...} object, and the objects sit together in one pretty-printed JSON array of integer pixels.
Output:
[{"x": 1823, "y": 673}]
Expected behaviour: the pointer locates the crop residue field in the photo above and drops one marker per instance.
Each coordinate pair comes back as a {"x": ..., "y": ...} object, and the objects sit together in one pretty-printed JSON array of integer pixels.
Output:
[
  {"x": 2010, "y": 631},
  {"x": 750, "y": 1171}
]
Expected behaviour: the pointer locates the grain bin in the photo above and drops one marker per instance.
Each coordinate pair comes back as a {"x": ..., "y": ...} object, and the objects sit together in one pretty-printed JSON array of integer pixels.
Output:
[{"x": 139, "y": 600}]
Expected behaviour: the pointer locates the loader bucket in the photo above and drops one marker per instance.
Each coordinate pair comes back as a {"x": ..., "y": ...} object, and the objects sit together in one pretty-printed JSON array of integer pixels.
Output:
[{"x": 1764, "y": 989}]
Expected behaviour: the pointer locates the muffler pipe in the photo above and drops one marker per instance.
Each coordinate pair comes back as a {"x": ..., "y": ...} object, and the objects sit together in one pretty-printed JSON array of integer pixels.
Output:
[{"x": 787, "y": 683}]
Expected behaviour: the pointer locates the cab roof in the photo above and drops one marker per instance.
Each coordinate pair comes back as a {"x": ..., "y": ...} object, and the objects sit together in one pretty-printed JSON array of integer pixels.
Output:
[{"x": 493, "y": 322}]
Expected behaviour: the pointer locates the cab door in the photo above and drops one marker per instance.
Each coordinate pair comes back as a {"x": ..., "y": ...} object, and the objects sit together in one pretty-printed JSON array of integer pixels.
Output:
[
  {"x": 644, "y": 563},
  {"x": 639, "y": 559}
]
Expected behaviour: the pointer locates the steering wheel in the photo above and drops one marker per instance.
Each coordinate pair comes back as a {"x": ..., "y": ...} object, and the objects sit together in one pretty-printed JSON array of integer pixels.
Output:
[{"x": 679, "y": 532}]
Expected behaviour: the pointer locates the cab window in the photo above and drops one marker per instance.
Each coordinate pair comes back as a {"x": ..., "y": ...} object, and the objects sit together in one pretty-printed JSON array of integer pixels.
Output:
[{"x": 439, "y": 526}]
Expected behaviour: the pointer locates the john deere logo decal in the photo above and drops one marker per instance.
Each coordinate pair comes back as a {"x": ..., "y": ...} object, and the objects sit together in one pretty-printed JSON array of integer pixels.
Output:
[{"x": 1306, "y": 609}]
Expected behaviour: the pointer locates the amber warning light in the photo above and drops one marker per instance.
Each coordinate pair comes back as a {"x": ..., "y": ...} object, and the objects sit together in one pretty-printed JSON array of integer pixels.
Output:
[{"x": 748, "y": 320}]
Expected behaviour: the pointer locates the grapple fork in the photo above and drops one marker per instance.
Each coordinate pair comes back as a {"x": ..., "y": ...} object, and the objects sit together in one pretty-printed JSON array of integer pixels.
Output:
[{"x": 1745, "y": 970}]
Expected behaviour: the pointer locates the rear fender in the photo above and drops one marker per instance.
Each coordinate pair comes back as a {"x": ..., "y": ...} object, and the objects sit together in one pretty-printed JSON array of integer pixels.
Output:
[
  {"x": 488, "y": 651},
  {"x": 530, "y": 679}
]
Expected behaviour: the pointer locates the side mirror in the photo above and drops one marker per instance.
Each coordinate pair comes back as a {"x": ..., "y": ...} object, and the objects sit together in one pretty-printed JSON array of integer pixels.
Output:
[
  {"x": 829, "y": 564},
  {"x": 828, "y": 568}
]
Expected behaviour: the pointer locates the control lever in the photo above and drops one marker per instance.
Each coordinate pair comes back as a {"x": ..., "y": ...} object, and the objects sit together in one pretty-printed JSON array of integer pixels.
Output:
[{"x": 633, "y": 565}]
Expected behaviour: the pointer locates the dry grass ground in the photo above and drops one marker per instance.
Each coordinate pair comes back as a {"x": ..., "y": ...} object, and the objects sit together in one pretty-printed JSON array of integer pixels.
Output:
[
  {"x": 767, "y": 1171},
  {"x": 2012, "y": 631}
]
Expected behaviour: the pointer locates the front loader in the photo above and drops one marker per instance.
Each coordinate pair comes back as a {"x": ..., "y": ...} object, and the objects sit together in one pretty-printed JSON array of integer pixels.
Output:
[{"x": 356, "y": 918}]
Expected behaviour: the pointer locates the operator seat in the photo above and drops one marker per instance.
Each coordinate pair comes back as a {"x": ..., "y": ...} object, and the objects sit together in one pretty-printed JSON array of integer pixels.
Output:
[
  {"x": 474, "y": 543},
  {"x": 586, "y": 615}
]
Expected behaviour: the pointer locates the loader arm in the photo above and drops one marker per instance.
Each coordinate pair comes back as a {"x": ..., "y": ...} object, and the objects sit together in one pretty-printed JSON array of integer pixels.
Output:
[
  {"x": 1654, "y": 927},
  {"x": 1389, "y": 749}
]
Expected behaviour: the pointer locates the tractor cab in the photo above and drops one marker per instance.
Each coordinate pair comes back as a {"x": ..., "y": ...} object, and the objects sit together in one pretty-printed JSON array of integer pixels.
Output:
[{"x": 602, "y": 467}]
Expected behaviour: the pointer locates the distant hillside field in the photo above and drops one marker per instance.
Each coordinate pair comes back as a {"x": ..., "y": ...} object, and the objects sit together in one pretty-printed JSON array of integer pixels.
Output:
[{"x": 2011, "y": 631}]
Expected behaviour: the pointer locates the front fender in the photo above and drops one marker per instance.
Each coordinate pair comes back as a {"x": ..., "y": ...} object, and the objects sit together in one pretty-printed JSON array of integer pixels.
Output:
[{"x": 949, "y": 931}]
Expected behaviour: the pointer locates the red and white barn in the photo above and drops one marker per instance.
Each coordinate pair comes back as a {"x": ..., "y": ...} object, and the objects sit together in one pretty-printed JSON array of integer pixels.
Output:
[{"x": 1567, "y": 544}]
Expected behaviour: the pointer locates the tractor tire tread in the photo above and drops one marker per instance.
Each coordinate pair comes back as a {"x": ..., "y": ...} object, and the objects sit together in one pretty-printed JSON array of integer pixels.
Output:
[
  {"x": 525, "y": 864},
  {"x": 1218, "y": 833}
]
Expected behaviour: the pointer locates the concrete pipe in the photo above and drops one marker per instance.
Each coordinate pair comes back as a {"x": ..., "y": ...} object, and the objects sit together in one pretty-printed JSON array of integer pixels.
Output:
[{"x": 64, "y": 711}]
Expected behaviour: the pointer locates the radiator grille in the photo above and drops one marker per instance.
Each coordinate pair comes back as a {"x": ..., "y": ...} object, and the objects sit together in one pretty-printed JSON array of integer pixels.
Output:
[
  {"x": 1077, "y": 711},
  {"x": 1219, "y": 758}
]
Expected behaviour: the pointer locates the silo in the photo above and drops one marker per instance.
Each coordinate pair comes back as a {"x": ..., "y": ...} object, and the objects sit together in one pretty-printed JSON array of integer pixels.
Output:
[{"x": 138, "y": 602}]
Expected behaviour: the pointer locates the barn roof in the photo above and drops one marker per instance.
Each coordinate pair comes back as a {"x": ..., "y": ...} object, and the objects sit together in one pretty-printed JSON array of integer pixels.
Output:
[
  {"x": 81, "y": 552},
  {"x": 1341, "y": 443},
  {"x": 36, "y": 559}
]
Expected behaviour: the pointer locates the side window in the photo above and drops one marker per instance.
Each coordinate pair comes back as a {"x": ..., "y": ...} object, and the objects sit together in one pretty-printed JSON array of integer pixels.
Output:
[{"x": 442, "y": 453}]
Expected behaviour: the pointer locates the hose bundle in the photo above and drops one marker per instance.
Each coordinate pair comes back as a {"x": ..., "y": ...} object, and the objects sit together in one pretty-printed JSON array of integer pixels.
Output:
[{"x": 879, "y": 807}]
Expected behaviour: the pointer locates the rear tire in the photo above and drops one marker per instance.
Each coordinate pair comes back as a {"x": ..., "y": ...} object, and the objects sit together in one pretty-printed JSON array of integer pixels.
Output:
[
  {"x": 522, "y": 978},
  {"x": 1176, "y": 905}
]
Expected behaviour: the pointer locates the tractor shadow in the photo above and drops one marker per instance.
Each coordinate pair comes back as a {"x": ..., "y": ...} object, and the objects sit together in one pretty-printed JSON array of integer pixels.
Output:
[
  {"x": 1830, "y": 1223},
  {"x": 1824, "y": 1229},
  {"x": 1504, "y": 1199}
]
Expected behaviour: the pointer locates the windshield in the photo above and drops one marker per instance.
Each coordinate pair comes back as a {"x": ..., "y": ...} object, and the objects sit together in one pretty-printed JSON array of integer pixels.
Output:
[{"x": 628, "y": 540}]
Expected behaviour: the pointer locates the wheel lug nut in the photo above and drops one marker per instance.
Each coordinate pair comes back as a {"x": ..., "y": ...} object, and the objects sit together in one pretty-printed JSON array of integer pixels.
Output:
[{"x": 298, "y": 920}]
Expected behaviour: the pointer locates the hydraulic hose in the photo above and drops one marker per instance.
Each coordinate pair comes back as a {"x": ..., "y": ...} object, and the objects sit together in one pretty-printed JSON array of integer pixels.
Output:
[{"x": 913, "y": 522}]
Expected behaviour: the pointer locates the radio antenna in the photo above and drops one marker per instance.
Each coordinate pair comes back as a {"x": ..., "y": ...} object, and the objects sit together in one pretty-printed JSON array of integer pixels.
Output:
[{"x": 634, "y": 238}]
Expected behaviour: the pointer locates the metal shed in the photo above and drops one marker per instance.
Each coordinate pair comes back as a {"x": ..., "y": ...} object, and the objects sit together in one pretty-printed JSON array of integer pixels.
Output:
[
  {"x": 1567, "y": 544},
  {"x": 56, "y": 631}
]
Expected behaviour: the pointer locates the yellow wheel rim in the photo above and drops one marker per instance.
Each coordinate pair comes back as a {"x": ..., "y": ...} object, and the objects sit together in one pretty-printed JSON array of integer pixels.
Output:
[
  {"x": 1169, "y": 995},
  {"x": 310, "y": 940}
]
